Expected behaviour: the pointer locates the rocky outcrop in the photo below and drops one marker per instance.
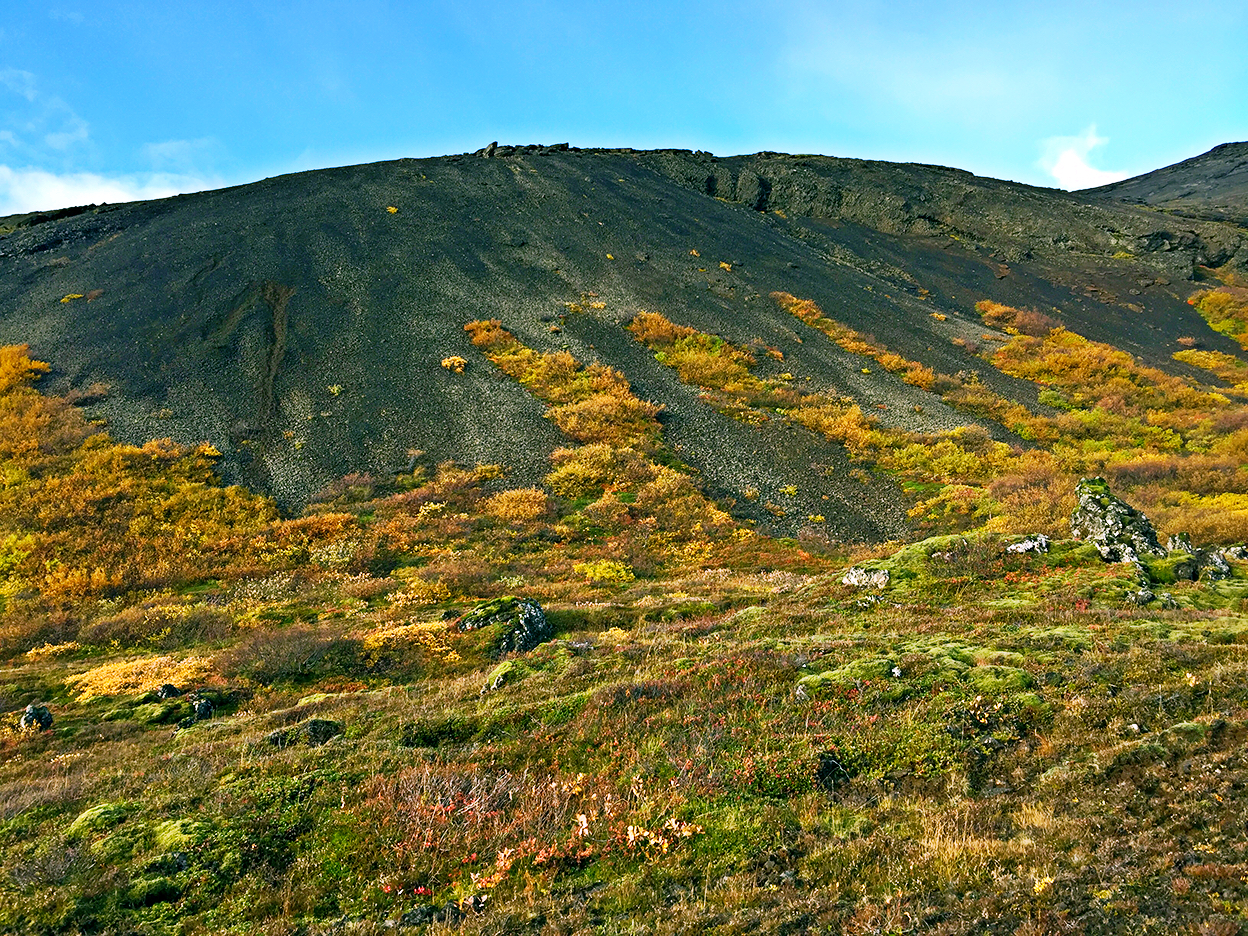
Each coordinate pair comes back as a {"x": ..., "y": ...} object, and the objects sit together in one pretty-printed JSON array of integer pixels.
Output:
[
  {"x": 1119, "y": 532},
  {"x": 520, "y": 623}
]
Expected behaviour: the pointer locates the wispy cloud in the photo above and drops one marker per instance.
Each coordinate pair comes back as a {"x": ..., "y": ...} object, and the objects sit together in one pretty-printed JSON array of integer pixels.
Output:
[
  {"x": 44, "y": 122},
  {"x": 24, "y": 190},
  {"x": 1066, "y": 160},
  {"x": 182, "y": 156},
  {"x": 19, "y": 82},
  {"x": 44, "y": 144}
]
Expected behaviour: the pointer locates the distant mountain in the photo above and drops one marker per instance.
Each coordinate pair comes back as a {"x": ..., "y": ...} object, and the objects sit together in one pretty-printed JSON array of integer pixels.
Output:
[
  {"x": 1212, "y": 186},
  {"x": 299, "y": 323}
]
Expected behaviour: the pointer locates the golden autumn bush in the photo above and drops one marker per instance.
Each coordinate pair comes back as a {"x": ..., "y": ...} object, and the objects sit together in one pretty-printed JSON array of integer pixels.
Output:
[
  {"x": 520, "y": 505},
  {"x": 141, "y": 675},
  {"x": 1226, "y": 311}
]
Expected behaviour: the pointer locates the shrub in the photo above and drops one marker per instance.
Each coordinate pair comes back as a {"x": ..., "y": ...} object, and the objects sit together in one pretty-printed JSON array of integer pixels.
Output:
[
  {"x": 606, "y": 571},
  {"x": 142, "y": 675},
  {"x": 1225, "y": 311},
  {"x": 519, "y": 505}
]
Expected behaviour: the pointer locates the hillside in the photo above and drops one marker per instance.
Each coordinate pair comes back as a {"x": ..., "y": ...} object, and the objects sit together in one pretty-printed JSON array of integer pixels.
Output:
[
  {"x": 1212, "y": 186},
  {"x": 297, "y": 325},
  {"x": 625, "y": 542}
]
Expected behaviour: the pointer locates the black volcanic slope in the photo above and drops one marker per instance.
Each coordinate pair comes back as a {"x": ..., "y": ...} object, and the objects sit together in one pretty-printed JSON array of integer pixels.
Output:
[
  {"x": 298, "y": 325},
  {"x": 1213, "y": 186}
]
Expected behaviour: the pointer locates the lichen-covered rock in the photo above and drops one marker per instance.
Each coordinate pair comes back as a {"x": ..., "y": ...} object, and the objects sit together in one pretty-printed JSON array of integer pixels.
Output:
[
  {"x": 1213, "y": 565},
  {"x": 866, "y": 578},
  {"x": 1038, "y": 544},
  {"x": 521, "y": 623},
  {"x": 201, "y": 709},
  {"x": 1119, "y": 532},
  {"x": 36, "y": 718},
  {"x": 1180, "y": 542}
]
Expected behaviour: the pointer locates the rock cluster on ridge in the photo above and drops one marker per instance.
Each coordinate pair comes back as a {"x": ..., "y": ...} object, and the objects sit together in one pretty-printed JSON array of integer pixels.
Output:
[{"x": 1119, "y": 532}]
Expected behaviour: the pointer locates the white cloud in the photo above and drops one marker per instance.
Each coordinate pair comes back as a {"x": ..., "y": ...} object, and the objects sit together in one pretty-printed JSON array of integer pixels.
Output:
[
  {"x": 74, "y": 131},
  {"x": 23, "y": 190},
  {"x": 19, "y": 82},
  {"x": 182, "y": 156},
  {"x": 45, "y": 125},
  {"x": 1066, "y": 160}
]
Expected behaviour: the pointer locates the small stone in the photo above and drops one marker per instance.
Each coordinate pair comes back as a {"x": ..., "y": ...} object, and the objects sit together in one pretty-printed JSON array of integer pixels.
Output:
[
  {"x": 168, "y": 691},
  {"x": 36, "y": 718},
  {"x": 1033, "y": 544},
  {"x": 866, "y": 578},
  {"x": 201, "y": 709}
]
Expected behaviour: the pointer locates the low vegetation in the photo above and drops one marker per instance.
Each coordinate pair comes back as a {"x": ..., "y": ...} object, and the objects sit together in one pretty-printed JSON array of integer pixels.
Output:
[{"x": 721, "y": 733}]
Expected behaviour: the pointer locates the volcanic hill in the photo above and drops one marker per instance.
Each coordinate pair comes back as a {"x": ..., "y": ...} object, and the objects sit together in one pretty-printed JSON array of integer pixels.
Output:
[{"x": 299, "y": 324}]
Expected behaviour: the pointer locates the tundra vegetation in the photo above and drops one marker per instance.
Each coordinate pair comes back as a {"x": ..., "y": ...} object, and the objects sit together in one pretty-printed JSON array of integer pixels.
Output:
[{"x": 722, "y": 733}]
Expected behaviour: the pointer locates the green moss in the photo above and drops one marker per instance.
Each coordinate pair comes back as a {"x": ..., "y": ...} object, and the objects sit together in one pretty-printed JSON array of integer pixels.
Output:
[
  {"x": 175, "y": 834},
  {"x": 98, "y": 818},
  {"x": 993, "y": 680}
]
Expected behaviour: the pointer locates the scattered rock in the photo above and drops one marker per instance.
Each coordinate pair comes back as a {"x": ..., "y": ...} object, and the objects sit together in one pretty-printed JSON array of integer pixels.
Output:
[
  {"x": 1119, "y": 532},
  {"x": 313, "y": 732},
  {"x": 1033, "y": 544},
  {"x": 521, "y": 623},
  {"x": 1213, "y": 565},
  {"x": 201, "y": 709},
  {"x": 832, "y": 771},
  {"x": 1180, "y": 542},
  {"x": 168, "y": 691},
  {"x": 1238, "y": 553},
  {"x": 866, "y": 578},
  {"x": 36, "y": 718},
  {"x": 499, "y": 676}
]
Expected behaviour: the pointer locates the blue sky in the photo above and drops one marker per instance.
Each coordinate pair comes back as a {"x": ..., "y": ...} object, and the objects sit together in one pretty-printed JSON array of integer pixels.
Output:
[{"x": 107, "y": 101}]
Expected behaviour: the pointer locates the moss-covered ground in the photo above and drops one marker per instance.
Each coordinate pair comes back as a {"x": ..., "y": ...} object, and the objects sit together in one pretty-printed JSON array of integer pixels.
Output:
[{"x": 990, "y": 743}]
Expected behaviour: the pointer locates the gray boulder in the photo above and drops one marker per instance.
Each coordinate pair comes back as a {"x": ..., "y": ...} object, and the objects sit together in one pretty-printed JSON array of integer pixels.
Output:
[
  {"x": 1180, "y": 542},
  {"x": 36, "y": 718},
  {"x": 1213, "y": 565},
  {"x": 1119, "y": 532},
  {"x": 520, "y": 623},
  {"x": 168, "y": 691},
  {"x": 201, "y": 709}
]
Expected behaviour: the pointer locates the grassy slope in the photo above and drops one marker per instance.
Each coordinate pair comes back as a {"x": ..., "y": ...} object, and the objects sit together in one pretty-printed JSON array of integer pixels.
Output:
[
  {"x": 956, "y": 757},
  {"x": 720, "y": 735}
]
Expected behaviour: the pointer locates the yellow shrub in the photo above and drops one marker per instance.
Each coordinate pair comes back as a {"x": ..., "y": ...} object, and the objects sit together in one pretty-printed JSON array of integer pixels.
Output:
[
  {"x": 520, "y": 505},
  {"x": 1227, "y": 366},
  {"x": 605, "y": 570},
  {"x": 1226, "y": 311},
  {"x": 131, "y": 676},
  {"x": 591, "y": 468},
  {"x": 606, "y": 417},
  {"x": 432, "y": 637}
]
